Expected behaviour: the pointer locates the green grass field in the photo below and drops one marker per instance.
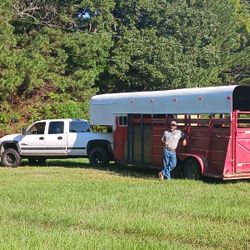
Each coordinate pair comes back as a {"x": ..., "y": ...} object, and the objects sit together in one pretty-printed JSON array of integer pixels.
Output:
[{"x": 69, "y": 205}]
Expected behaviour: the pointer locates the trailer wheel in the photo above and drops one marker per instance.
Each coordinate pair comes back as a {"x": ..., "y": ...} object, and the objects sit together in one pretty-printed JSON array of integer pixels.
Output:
[
  {"x": 191, "y": 169},
  {"x": 99, "y": 157},
  {"x": 11, "y": 158},
  {"x": 177, "y": 171}
]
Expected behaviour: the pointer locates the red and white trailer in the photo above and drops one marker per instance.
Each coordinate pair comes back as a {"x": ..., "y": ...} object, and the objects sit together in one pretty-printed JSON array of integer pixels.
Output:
[{"x": 216, "y": 121}]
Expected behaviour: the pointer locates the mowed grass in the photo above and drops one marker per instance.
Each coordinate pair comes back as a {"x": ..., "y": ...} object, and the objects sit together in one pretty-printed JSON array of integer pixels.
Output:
[{"x": 69, "y": 205}]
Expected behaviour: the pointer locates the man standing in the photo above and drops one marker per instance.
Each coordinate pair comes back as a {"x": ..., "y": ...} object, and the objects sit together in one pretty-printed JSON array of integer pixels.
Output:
[{"x": 170, "y": 139}]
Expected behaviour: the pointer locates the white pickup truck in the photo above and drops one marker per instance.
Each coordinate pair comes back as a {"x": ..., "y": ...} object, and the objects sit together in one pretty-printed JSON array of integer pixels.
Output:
[{"x": 60, "y": 138}]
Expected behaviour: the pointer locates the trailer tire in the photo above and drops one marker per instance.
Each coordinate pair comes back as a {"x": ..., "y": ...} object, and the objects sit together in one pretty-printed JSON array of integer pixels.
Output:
[
  {"x": 99, "y": 157},
  {"x": 11, "y": 158},
  {"x": 191, "y": 169},
  {"x": 177, "y": 171}
]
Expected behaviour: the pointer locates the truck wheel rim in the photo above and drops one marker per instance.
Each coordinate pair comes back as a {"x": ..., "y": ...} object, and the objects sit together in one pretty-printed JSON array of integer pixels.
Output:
[
  {"x": 98, "y": 158},
  {"x": 11, "y": 158}
]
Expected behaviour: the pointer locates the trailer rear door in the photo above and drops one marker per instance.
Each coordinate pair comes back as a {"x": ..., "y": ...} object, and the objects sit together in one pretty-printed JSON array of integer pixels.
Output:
[{"x": 242, "y": 147}]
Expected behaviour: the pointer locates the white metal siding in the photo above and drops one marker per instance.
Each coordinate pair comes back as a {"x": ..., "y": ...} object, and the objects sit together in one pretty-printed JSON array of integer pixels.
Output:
[{"x": 103, "y": 108}]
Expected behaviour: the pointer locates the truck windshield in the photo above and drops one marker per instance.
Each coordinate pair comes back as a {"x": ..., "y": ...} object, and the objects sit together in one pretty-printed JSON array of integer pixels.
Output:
[{"x": 79, "y": 127}]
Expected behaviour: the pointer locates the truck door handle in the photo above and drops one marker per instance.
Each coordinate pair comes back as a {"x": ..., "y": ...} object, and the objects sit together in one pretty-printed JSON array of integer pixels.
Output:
[
  {"x": 59, "y": 138},
  {"x": 41, "y": 138}
]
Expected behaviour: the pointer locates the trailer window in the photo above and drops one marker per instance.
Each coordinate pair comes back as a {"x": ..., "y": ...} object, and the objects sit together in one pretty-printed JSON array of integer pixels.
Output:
[
  {"x": 220, "y": 120},
  {"x": 198, "y": 120},
  {"x": 209, "y": 120},
  {"x": 243, "y": 121},
  {"x": 123, "y": 121}
]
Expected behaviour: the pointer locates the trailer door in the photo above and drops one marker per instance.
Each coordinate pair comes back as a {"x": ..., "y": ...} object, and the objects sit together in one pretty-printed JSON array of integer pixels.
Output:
[
  {"x": 139, "y": 139},
  {"x": 242, "y": 147}
]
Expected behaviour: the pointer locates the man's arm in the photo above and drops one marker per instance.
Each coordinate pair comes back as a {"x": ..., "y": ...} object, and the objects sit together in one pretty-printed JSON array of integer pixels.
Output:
[{"x": 184, "y": 140}]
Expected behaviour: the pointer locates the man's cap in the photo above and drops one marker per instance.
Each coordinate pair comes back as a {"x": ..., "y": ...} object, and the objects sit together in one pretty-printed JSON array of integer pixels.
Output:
[{"x": 173, "y": 123}]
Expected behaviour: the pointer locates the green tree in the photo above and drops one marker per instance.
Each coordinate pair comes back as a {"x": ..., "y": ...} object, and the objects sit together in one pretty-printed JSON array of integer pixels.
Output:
[
  {"x": 53, "y": 57},
  {"x": 172, "y": 44},
  {"x": 58, "y": 48},
  {"x": 239, "y": 71},
  {"x": 9, "y": 80},
  {"x": 48, "y": 50}
]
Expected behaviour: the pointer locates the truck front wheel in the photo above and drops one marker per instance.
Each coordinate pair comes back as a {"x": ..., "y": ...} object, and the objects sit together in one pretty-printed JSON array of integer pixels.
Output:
[
  {"x": 98, "y": 157},
  {"x": 11, "y": 158}
]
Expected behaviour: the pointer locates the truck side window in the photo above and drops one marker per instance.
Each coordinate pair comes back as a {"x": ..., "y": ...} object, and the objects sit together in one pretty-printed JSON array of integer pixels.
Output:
[
  {"x": 36, "y": 129},
  {"x": 56, "y": 127},
  {"x": 78, "y": 127}
]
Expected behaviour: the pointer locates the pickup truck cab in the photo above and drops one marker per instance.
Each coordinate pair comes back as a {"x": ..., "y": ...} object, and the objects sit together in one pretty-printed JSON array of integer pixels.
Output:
[{"x": 57, "y": 138}]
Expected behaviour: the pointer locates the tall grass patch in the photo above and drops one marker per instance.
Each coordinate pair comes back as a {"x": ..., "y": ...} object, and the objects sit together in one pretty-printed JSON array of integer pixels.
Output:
[{"x": 77, "y": 208}]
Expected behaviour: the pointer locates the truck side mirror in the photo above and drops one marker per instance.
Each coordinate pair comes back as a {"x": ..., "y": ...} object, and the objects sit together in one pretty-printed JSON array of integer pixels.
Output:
[{"x": 23, "y": 131}]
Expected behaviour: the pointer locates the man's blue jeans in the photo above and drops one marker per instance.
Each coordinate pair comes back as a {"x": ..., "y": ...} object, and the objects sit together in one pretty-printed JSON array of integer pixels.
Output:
[{"x": 169, "y": 162}]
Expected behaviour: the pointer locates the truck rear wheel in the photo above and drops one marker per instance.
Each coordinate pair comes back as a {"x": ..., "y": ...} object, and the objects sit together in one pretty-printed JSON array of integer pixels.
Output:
[
  {"x": 98, "y": 157},
  {"x": 11, "y": 158},
  {"x": 192, "y": 169}
]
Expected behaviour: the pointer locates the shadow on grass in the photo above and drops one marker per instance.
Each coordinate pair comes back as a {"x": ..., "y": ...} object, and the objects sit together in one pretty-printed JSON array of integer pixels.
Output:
[
  {"x": 112, "y": 168},
  {"x": 211, "y": 180},
  {"x": 124, "y": 170}
]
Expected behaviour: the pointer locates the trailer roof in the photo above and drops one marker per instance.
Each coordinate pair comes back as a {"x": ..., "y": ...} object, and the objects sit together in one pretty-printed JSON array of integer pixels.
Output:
[{"x": 205, "y": 100}]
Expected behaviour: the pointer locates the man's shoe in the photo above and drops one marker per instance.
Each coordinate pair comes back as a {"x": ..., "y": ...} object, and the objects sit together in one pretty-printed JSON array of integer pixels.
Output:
[{"x": 161, "y": 177}]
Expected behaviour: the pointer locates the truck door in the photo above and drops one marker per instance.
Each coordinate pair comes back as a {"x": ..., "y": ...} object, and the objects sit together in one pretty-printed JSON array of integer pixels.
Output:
[
  {"x": 55, "y": 139},
  {"x": 242, "y": 144},
  {"x": 33, "y": 141},
  {"x": 78, "y": 137}
]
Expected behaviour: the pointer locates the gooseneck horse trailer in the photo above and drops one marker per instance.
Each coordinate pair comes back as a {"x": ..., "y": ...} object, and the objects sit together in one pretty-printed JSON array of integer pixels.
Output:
[{"x": 216, "y": 121}]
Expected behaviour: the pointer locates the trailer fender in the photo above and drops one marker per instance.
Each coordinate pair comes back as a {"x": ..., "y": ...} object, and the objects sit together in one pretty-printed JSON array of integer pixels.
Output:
[{"x": 199, "y": 158}]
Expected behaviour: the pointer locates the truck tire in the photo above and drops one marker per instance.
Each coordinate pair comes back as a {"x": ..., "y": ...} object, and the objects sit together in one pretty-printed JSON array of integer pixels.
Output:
[
  {"x": 192, "y": 169},
  {"x": 11, "y": 158},
  {"x": 99, "y": 157}
]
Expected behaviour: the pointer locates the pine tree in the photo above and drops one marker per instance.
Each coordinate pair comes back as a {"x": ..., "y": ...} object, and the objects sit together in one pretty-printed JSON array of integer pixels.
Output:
[{"x": 172, "y": 44}]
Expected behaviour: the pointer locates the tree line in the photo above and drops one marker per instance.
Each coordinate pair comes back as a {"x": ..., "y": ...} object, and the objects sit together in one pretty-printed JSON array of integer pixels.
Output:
[{"x": 54, "y": 55}]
